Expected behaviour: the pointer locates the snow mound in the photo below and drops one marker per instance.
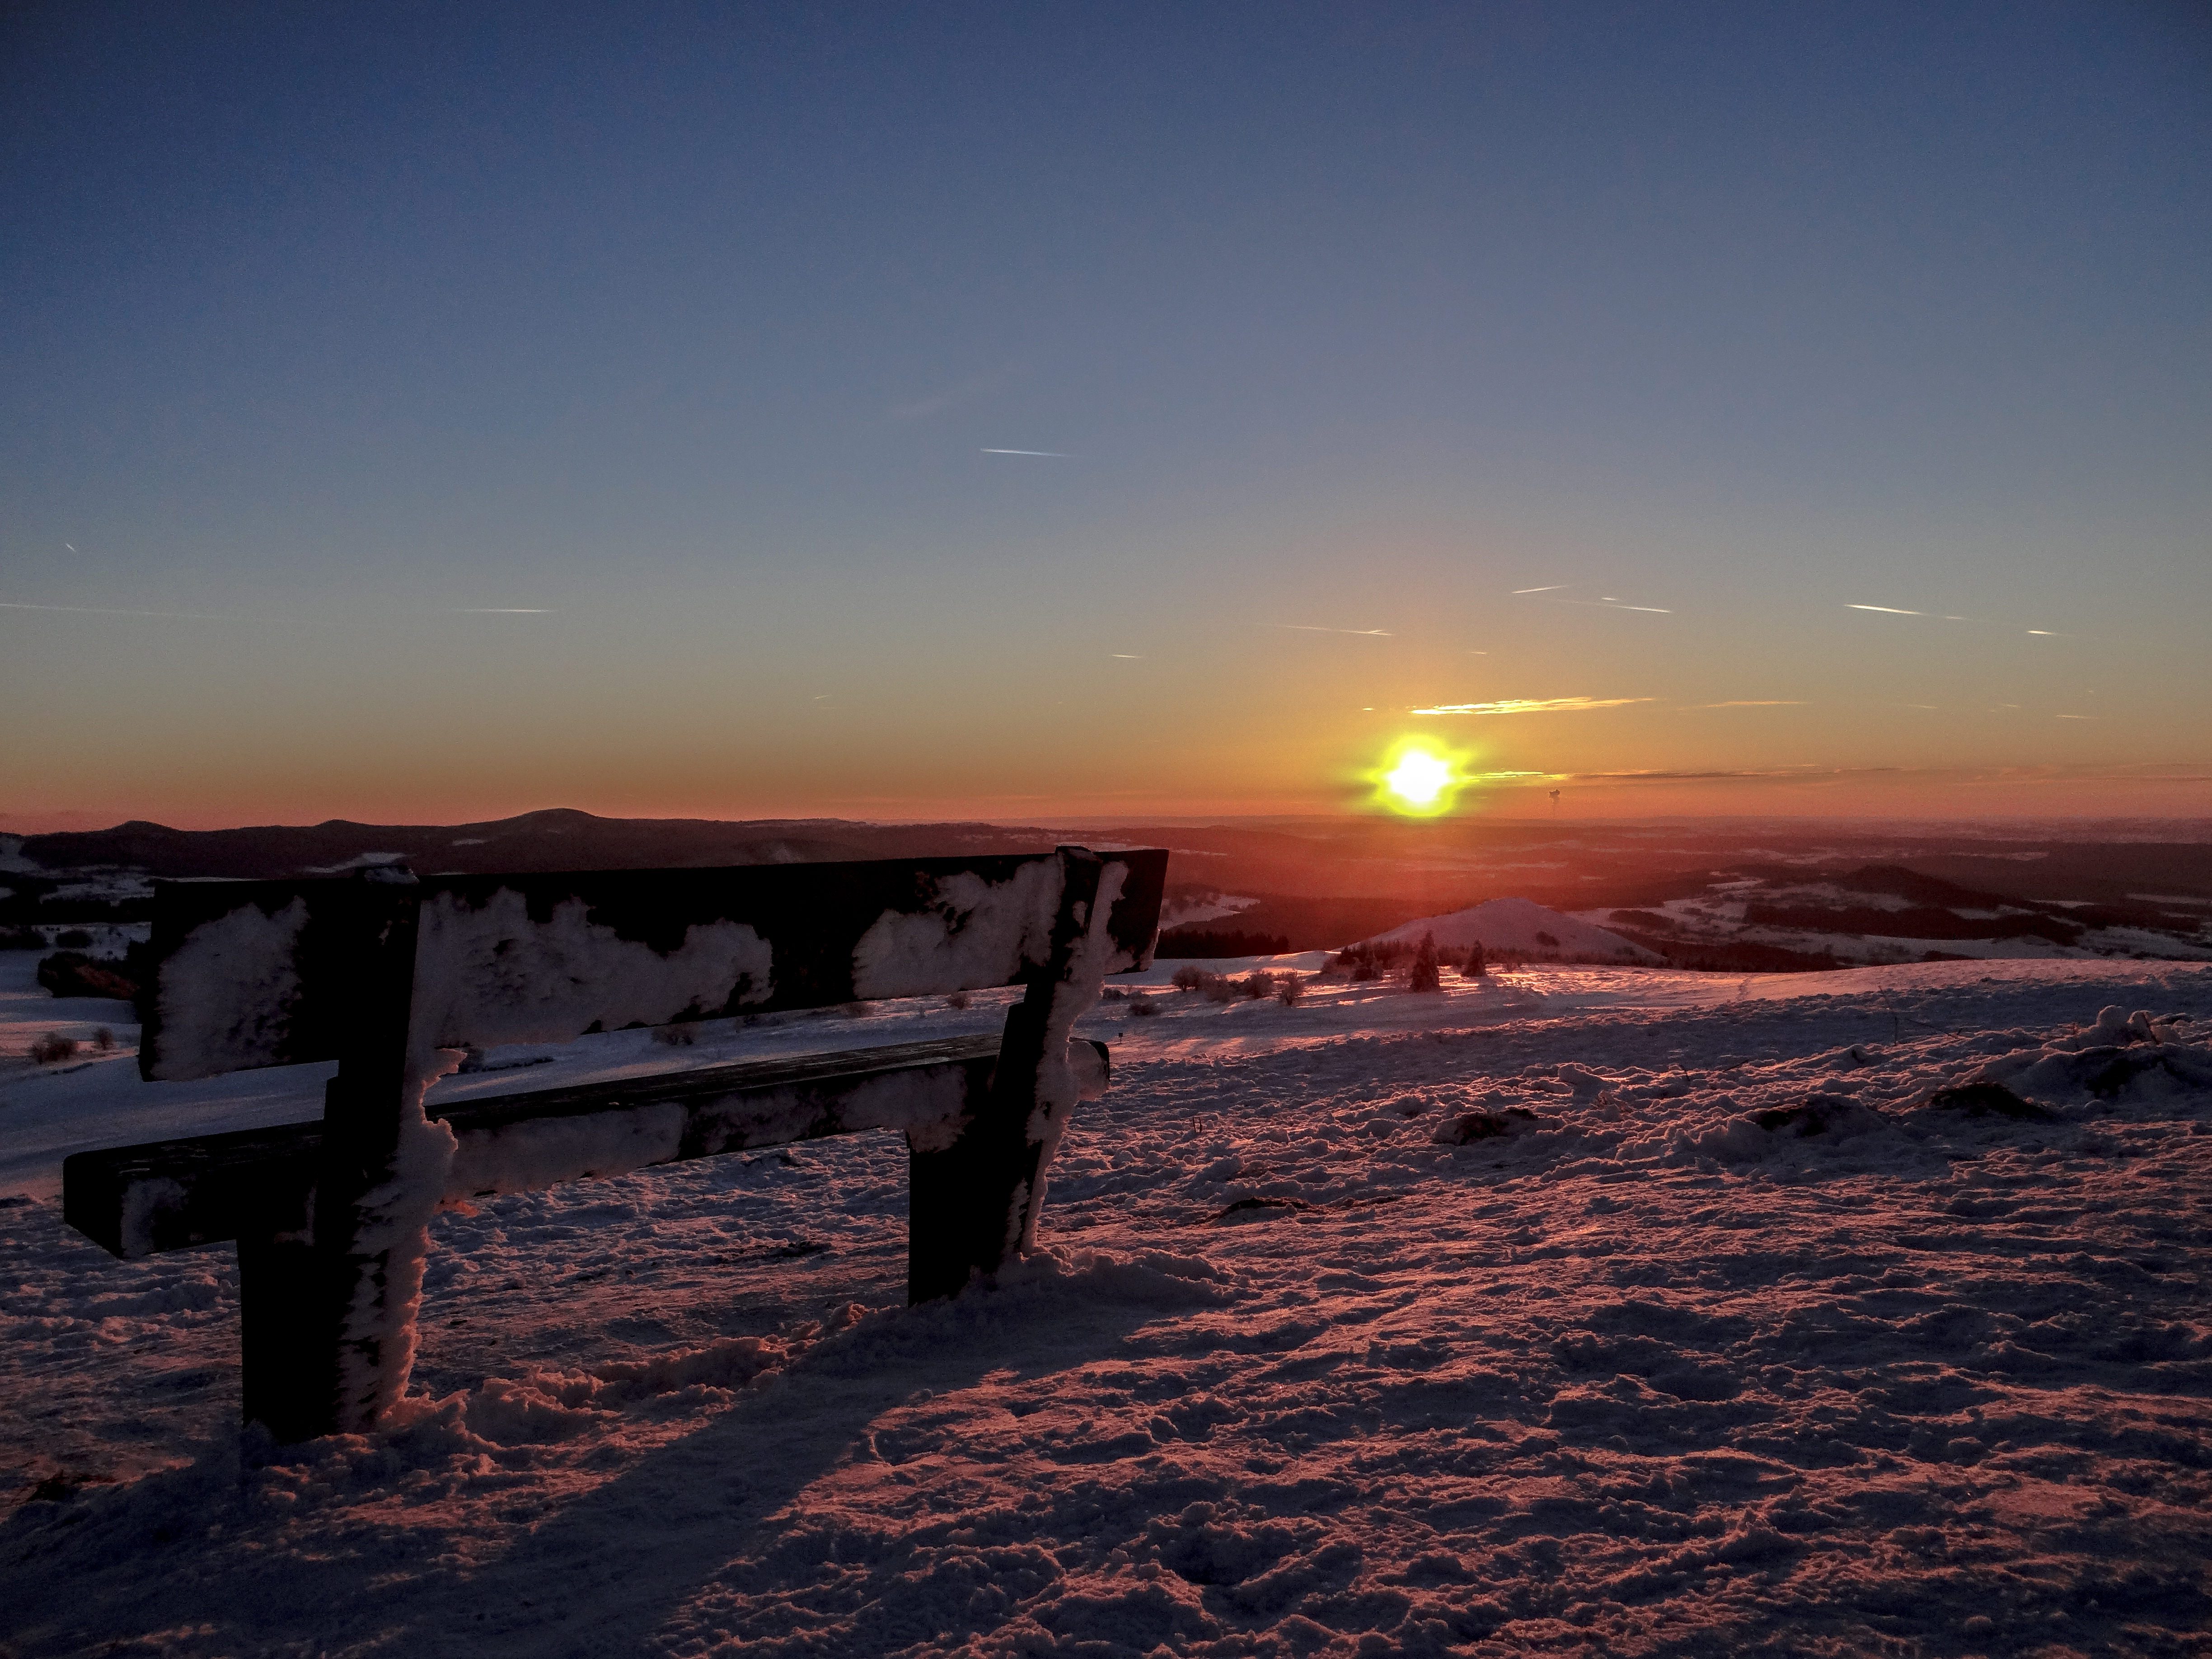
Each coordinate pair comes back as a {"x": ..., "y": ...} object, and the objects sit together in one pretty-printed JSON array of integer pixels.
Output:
[
  {"x": 1517, "y": 924},
  {"x": 2122, "y": 1057}
]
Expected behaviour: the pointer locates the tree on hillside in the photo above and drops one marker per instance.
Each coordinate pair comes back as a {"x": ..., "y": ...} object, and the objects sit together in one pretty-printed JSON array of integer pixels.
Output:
[
  {"x": 1477, "y": 965},
  {"x": 1424, "y": 975}
]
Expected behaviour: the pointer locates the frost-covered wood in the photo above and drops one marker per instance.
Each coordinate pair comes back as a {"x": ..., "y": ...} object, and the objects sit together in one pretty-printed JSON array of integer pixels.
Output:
[
  {"x": 392, "y": 977},
  {"x": 255, "y": 974},
  {"x": 182, "y": 1195}
]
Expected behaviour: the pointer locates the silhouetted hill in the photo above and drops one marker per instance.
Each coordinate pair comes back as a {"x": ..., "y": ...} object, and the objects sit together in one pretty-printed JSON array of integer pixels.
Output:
[{"x": 557, "y": 839}]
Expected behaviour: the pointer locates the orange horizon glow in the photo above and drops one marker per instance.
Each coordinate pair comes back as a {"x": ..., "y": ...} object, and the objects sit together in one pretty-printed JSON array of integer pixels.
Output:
[{"x": 1891, "y": 795}]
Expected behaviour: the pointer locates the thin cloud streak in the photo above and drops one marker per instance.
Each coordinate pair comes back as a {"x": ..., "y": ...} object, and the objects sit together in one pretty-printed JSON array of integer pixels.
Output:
[
  {"x": 1051, "y": 454},
  {"x": 1531, "y": 705},
  {"x": 1613, "y": 605},
  {"x": 1309, "y": 628},
  {"x": 1556, "y": 587},
  {"x": 112, "y": 611},
  {"x": 974, "y": 386},
  {"x": 288, "y": 622},
  {"x": 1754, "y": 702}
]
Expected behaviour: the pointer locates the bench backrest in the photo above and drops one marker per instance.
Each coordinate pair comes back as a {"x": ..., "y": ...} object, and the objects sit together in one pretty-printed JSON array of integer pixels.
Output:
[{"x": 267, "y": 973}]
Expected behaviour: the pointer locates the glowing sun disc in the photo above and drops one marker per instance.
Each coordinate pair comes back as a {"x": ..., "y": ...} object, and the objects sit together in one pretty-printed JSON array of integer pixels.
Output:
[{"x": 1419, "y": 779}]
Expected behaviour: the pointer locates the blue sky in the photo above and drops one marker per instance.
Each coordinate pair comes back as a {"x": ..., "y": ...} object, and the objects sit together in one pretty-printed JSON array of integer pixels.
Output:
[{"x": 687, "y": 329}]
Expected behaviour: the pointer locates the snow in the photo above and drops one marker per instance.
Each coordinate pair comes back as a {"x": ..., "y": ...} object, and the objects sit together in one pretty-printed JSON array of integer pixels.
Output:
[
  {"x": 1514, "y": 924},
  {"x": 1738, "y": 1340},
  {"x": 390, "y": 1248},
  {"x": 492, "y": 974},
  {"x": 228, "y": 990},
  {"x": 976, "y": 932}
]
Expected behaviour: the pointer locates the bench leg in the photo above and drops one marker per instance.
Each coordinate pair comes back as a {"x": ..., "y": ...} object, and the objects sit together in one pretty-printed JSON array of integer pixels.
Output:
[
  {"x": 974, "y": 1205},
  {"x": 291, "y": 1316},
  {"x": 966, "y": 1206}
]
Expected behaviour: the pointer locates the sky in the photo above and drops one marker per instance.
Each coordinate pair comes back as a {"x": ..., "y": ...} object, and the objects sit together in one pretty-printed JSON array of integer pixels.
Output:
[{"x": 421, "y": 414}]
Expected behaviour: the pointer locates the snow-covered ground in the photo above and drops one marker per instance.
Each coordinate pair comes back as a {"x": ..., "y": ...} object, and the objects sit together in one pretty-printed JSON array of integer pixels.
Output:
[
  {"x": 1333, "y": 1350},
  {"x": 1518, "y": 924}
]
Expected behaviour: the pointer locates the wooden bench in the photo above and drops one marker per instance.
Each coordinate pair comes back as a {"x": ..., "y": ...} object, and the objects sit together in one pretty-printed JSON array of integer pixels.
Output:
[{"x": 395, "y": 978}]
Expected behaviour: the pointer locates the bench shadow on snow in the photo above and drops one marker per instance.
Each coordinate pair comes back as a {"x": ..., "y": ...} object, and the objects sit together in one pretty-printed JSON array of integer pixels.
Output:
[{"x": 602, "y": 1573}]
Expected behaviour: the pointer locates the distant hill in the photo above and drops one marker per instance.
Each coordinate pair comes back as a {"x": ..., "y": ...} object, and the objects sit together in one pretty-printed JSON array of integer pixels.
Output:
[
  {"x": 1518, "y": 924},
  {"x": 558, "y": 839}
]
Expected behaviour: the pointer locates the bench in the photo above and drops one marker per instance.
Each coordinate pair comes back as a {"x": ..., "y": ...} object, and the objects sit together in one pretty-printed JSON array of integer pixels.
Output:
[{"x": 396, "y": 978}]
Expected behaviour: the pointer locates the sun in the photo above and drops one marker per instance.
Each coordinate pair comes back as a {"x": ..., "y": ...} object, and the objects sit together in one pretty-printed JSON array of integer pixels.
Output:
[{"x": 1418, "y": 779}]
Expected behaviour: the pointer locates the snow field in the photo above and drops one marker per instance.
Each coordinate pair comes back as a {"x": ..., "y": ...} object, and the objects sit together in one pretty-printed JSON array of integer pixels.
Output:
[{"x": 1294, "y": 1375}]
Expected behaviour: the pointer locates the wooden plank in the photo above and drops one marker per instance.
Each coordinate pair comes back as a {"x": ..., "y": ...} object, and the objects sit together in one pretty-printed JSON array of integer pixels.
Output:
[
  {"x": 255, "y": 974},
  {"x": 974, "y": 1203},
  {"x": 182, "y": 1194},
  {"x": 178, "y": 1194}
]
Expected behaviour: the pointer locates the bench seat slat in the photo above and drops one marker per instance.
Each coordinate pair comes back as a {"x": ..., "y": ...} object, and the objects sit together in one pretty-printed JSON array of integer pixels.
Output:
[{"x": 204, "y": 1189}]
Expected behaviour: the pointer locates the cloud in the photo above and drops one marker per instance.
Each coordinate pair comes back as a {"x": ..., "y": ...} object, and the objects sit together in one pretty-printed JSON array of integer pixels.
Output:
[
  {"x": 112, "y": 610},
  {"x": 952, "y": 397},
  {"x": 1612, "y": 605},
  {"x": 1125, "y": 656},
  {"x": 1049, "y": 454},
  {"x": 1556, "y": 587},
  {"x": 1754, "y": 702},
  {"x": 1313, "y": 628},
  {"x": 1531, "y": 705},
  {"x": 1886, "y": 610},
  {"x": 290, "y": 621}
]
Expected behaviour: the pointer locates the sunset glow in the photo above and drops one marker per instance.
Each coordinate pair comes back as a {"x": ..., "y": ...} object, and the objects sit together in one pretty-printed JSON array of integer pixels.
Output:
[
  {"x": 1418, "y": 780},
  {"x": 854, "y": 499}
]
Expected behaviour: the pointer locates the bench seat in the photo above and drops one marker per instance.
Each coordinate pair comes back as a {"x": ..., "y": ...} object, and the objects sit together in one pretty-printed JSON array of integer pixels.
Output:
[{"x": 182, "y": 1194}]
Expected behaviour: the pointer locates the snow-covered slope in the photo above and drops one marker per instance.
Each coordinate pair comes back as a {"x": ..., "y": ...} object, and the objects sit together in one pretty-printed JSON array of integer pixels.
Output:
[
  {"x": 1587, "y": 1309},
  {"x": 1519, "y": 924}
]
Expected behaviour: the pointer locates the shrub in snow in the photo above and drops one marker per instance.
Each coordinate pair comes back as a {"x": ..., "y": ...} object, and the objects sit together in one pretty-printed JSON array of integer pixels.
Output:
[
  {"x": 1258, "y": 987},
  {"x": 104, "y": 1040},
  {"x": 1484, "y": 1126},
  {"x": 1289, "y": 989},
  {"x": 1820, "y": 1114},
  {"x": 1370, "y": 961},
  {"x": 1543, "y": 938},
  {"x": 676, "y": 1037},
  {"x": 1986, "y": 1100},
  {"x": 1423, "y": 974},
  {"x": 1144, "y": 1005},
  {"x": 958, "y": 1000},
  {"x": 1214, "y": 987},
  {"x": 1112, "y": 994},
  {"x": 53, "y": 1049}
]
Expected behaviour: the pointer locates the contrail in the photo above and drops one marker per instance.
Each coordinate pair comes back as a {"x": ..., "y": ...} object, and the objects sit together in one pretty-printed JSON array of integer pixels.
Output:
[
  {"x": 1309, "y": 627},
  {"x": 1553, "y": 588},
  {"x": 111, "y": 611},
  {"x": 1054, "y": 455},
  {"x": 1887, "y": 610},
  {"x": 497, "y": 611}
]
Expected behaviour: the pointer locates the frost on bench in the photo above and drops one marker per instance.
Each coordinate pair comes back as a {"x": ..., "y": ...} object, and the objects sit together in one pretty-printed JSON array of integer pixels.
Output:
[{"x": 393, "y": 978}]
